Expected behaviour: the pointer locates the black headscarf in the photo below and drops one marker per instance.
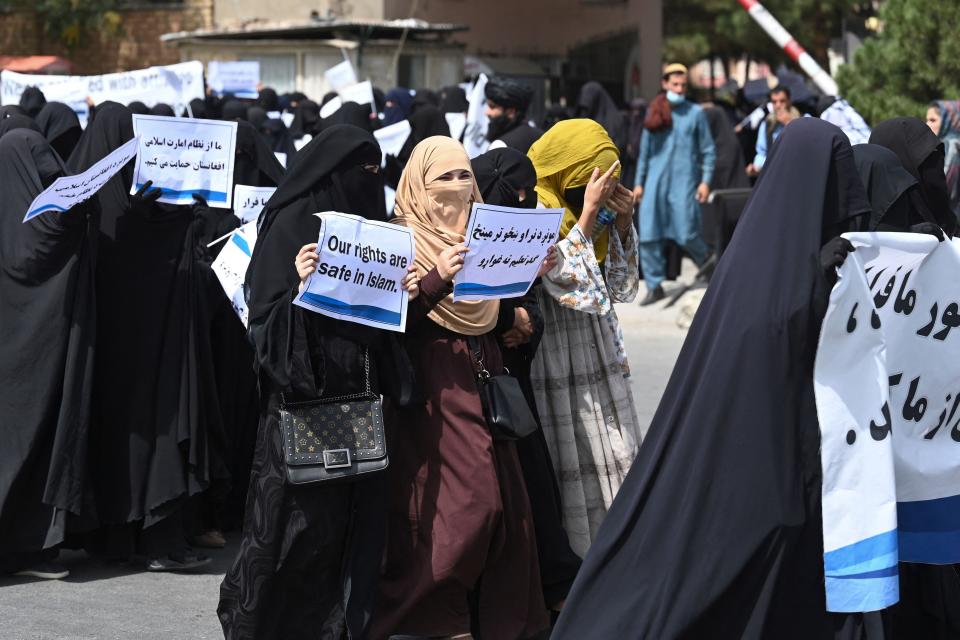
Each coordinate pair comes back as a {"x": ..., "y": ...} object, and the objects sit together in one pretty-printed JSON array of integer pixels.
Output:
[
  {"x": 351, "y": 113},
  {"x": 425, "y": 122},
  {"x": 595, "y": 103},
  {"x": 32, "y": 100},
  {"x": 424, "y": 98},
  {"x": 257, "y": 116},
  {"x": 278, "y": 137},
  {"x": 256, "y": 165},
  {"x": 47, "y": 351},
  {"x": 889, "y": 187},
  {"x": 10, "y": 110},
  {"x": 267, "y": 100},
  {"x": 60, "y": 126},
  {"x": 501, "y": 173},
  {"x": 17, "y": 122},
  {"x": 138, "y": 108},
  {"x": 453, "y": 99},
  {"x": 325, "y": 176},
  {"x": 162, "y": 109},
  {"x": 921, "y": 153},
  {"x": 717, "y": 527},
  {"x": 233, "y": 110},
  {"x": 306, "y": 119},
  {"x": 198, "y": 108},
  {"x": 729, "y": 170},
  {"x": 508, "y": 92}
]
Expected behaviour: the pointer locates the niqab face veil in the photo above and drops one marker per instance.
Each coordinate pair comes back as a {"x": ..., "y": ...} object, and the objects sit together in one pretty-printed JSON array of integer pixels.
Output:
[{"x": 438, "y": 211}]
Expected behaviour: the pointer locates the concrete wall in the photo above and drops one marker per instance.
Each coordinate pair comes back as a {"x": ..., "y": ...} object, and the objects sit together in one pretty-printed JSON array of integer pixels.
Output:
[
  {"x": 230, "y": 12},
  {"x": 547, "y": 28}
]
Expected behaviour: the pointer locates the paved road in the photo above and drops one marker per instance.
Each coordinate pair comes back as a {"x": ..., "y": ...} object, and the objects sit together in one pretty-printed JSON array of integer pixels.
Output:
[{"x": 102, "y": 602}]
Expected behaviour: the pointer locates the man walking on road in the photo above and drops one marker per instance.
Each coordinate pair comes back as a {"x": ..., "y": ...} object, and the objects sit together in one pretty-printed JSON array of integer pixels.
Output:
[{"x": 674, "y": 170}]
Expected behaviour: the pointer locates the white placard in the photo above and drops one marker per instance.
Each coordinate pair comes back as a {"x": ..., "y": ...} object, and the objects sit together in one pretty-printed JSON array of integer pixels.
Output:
[
  {"x": 457, "y": 123},
  {"x": 507, "y": 246},
  {"x": 239, "y": 77},
  {"x": 175, "y": 84},
  {"x": 887, "y": 385},
  {"x": 391, "y": 139},
  {"x": 231, "y": 266},
  {"x": 331, "y": 107},
  {"x": 68, "y": 191},
  {"x": 340, "y": 75},
  {"x": 475, "y": 134},
  {"x": 359, "y": 276},
  {"x": 248, "y": 201},
  {"x": 186, "y": 156}
]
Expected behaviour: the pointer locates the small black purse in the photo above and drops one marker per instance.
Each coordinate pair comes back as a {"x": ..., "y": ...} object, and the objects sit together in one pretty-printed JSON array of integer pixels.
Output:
[
  {"x": 333, "y": 439},
  {"x": 504, "y": 406}
]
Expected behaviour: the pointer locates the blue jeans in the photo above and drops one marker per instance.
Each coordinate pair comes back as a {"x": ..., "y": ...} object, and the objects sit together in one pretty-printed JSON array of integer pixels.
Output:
[{"x": 655, "y": 265}]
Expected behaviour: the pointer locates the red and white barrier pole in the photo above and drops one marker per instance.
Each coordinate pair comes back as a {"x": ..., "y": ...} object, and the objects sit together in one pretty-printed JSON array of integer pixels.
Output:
[{"x": 793, "y": 49}]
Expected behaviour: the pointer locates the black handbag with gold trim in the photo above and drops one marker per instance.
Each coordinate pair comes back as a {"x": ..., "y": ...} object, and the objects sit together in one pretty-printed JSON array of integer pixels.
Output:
[{"x": 334, "y": 438}]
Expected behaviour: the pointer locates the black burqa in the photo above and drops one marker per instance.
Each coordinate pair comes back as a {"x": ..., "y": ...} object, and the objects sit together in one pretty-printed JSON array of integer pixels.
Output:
[
  {"x": 46, "y": 354},
  {"x": 60, "y": 126},
  {"x": 716, "y": 531},
  {"x": 310, "y": 555},
  {"x": 155, "y": 419},
  {"x": 894, "y": 194},
  {"x": 921, "y": 153},
  {"x": 233, "y": 110},
  {"x": 351, "y": 113},
  {"x": 595, "y": 103},
  {"x": 500, "y": 174},
  {"x": 17, "y": 122},
  {"x": 31, "y": 101},
  {"x": 306, "y": 119}
]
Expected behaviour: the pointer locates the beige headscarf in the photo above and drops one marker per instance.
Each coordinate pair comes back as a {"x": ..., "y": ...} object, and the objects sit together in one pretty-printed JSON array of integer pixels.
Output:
[{"x": 438, "y": 212}]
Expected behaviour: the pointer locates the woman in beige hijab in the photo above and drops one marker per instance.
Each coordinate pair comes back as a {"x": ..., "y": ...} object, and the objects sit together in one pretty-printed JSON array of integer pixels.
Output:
[{"x": 459, "y": 509}]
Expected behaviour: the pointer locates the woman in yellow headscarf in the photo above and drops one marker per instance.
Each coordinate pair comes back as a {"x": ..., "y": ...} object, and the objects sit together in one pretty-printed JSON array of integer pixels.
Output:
[
  {"x": 459, "y": 508},
  {"x": 580, "y": 372}
]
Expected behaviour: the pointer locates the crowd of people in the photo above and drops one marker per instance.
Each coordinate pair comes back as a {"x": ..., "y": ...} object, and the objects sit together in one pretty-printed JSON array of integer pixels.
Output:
[{"x": 141, "y": 418}]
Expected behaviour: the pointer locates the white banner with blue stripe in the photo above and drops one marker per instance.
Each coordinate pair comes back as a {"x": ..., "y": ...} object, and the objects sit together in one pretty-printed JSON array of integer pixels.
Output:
[
  {"x": 887, "y": 383},
  {"x": 360, "y": 270},
  {"x": 186, "y": 157},
  {"x": 506, "y": 248}
]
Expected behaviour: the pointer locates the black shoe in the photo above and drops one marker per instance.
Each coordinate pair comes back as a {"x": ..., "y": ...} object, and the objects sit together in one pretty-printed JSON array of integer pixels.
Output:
[
  {"x": 45, "y": 571},
  {"x": 653, "y": 295},
  {"x": 178, "y": 562}
]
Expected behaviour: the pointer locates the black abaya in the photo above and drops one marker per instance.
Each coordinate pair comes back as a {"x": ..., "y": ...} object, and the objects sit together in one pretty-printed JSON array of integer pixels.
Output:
[
  {"x": 716, "y": 531},
  {"x": 60, "y": 126},
  {"x": 310, "y": 555},
  {"x": 46, "y": 353}
]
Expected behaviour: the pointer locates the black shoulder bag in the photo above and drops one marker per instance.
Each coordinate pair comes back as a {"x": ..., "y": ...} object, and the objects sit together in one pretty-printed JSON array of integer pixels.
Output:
[
  {"x": 334, "y": 438},
  {"x": 505, "y": 408}
]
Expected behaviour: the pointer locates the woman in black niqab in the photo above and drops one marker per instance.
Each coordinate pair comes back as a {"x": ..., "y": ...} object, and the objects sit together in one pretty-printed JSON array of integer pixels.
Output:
[
  {"x": 233, "y": 110},
  {"x": 310, "y": 555},
  {"x": 595, "y": 103},
  {"x": 162, "y": 109},
  {"x": 306, "y": 119},
  {"x": 60, "y": 126},
  {"x": 504, "y": 176},
  {"x": 138, "y": 108},
  {"x": 46, "y": 355},
  {"x": 716, "y": 531},
  {"x": 921, "y": 154},
  {"x": 156, "y": 436},
  {"x": 17, "y": 122},
  {"x": 31, "y": 101}
]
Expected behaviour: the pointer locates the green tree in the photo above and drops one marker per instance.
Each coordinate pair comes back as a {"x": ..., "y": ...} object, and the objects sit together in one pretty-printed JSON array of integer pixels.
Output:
[
  {"x": 71, "y": 22},
  {"x": 914, "y": 59},
  {"x": 695, "y": 28}
]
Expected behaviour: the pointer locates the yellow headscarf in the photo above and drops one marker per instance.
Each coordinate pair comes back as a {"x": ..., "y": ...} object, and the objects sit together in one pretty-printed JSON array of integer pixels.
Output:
[
  {"x": 433, "y": 209},
  {"x": 564, "y": 158}
]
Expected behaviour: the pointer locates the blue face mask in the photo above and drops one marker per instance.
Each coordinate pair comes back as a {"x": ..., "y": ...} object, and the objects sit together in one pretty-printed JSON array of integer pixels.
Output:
[{"x": 674, "y": 98}]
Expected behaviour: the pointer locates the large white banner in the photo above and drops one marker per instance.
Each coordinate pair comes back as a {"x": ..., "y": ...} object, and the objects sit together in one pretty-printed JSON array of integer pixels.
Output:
[
  {"x": 887, "y": 383},
  {"x": 359, "y": 276},
  {"x": 174, "y": 84},
  {"x": 69, "y": 191},
  {"x": 507, "y": 247},
  {"x": 186, "y": 156}
]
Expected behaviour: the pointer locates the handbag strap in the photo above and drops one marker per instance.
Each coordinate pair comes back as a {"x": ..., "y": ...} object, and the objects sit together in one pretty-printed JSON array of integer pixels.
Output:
[
  {"x": 367, "y": 389},
  {"x": 476, "y": 354}
]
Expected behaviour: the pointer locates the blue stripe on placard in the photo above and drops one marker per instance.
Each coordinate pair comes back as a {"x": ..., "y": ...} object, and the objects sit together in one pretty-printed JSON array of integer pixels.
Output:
[
  {"x": 367, "y": 312},
  {"x": 207, "y": 194},
  {"x": 930, "y": 530},
  {"x": 41, "y": 210},
  {"x": 863, "y": 576},
  {"x": 474, "y": 289},
  {"x": 240, "y": 242}
]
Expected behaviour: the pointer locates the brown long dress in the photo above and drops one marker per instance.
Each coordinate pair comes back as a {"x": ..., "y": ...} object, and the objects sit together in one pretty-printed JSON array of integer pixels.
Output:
[{"x": 461, "y": 554}]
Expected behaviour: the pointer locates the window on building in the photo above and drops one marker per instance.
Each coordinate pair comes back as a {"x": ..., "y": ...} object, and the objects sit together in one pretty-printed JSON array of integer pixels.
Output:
[
  {"x": 277, "y": 71},
  {"x": 412, "y": 71}
]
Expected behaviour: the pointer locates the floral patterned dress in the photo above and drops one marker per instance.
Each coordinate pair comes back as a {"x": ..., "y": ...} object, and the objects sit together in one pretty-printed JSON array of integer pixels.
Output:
[{"x": 580, "y": 378}]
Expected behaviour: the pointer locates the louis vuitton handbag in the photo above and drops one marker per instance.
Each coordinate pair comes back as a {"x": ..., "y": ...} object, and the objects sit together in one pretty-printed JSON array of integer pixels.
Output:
[{"x": 333, "y": 439}]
